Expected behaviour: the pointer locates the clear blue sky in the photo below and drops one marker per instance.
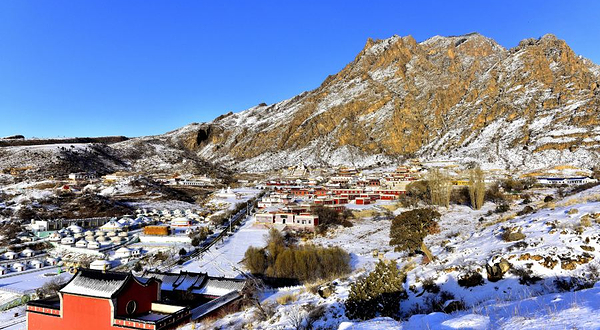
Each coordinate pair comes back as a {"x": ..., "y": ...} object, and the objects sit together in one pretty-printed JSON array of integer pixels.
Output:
[{"x": 91, "y": 68}]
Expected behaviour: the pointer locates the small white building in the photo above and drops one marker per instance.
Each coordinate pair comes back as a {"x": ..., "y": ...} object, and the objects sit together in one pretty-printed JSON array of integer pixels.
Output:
[
  {"x": 10, "y": 255},
  {"x": 100, "y": 264},
  {"x": 3, "y": 270},
  {"x": 28, "y": 253},
  {"x": 75, "y": 229},
  {"x": 36, "y": 264},
  {"x": 19, "y": 267},
  {"x": 93, "y": 245},
  {"x": 55, "y": 237},
  {"x": 112, "y": 225},
  {"x": 51, "y": 261},
  {"x": 81, "y": 244},
  {"x": 69, "y": 240},
  {"x": 181, "y": 222},
  {"x": 122, "y": 253}
]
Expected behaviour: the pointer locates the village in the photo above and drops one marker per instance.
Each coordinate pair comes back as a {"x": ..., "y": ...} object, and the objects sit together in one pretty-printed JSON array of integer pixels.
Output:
[{"x": 191, "y": 247}]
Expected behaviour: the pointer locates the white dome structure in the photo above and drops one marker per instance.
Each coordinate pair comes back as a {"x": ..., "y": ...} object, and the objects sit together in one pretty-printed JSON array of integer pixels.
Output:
[
  {"x": 93, "y": 245},
  {"x": 55, "y": 237},
  {"x": 117, "y": 239},
  {"x": 36, "y": 264},
  {"x": 69, "y": 240},
  {"x": 112, "y": 225},
  {"x": 100, "y": 265},
  {"x": 81, "y": 244},
  {"x": 75, "y": 229},
  {"x": 51, "y": 261},
  {"x": 123, "y": 253}
]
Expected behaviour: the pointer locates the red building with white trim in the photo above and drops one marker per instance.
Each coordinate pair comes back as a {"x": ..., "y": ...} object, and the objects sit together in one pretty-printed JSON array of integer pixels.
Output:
[{"x": 97, "y": 300}]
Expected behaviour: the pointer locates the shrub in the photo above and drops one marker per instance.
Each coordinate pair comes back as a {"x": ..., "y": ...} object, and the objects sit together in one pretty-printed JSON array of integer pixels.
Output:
[
  {"x": 416, "y": 192},
  {"x": 470, "y": 279},
  {"x": 525, "y": 275},
  {"x": 548, "y": 199},
  {"x": 305, "y": 263},
  {"x": 494, "y": 194},
  {"x": 430, "y": 286},
  {"x": 255, "y": 260},
  {"x": 286, "y": 299},
  {"x": 378, "y": 294},
  {"x": 460, "y": 196},
  {"x": 572, "y": 284},
  {"x": 512, "y": 234},
  {"x": 526, "y": 210},
  {"x": 585, "y": 221},
  {"x": 501, "y": 208},
  {"x": 410, "y": 228}
]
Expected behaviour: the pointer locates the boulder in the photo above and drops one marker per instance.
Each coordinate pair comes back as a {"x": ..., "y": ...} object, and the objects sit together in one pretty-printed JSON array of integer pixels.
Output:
[{"x": 496, "y": 268}]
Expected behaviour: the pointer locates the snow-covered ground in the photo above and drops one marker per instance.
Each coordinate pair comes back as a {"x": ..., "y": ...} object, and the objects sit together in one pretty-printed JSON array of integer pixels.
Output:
[
  {"x": 30, "y": 281},
  {"x": 223, "y": 258}
]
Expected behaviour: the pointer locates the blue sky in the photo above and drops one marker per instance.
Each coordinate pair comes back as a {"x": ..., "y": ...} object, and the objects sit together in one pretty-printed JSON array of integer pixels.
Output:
[{"x": 92, "y": 68}]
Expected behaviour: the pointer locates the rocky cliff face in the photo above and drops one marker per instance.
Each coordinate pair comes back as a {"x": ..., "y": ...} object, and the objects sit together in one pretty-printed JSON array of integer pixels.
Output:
[{"x": 463, "y": 97}]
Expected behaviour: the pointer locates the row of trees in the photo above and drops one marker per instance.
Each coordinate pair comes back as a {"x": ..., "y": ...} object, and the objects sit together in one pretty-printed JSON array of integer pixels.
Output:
[
  {"x": 439, "y": 187},
  {"x": 305, "y": 263}
]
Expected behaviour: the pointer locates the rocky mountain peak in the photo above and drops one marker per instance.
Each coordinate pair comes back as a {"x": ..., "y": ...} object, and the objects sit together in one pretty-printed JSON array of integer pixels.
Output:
[{"x": 461, "y": 97}]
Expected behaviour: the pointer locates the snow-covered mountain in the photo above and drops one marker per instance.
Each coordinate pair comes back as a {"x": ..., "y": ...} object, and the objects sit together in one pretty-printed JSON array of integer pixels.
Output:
[{"x": 462, "y": 97}]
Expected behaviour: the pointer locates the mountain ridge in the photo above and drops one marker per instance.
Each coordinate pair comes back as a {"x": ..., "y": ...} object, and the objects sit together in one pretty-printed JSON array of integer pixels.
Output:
[{"x": 399, "y": 98}]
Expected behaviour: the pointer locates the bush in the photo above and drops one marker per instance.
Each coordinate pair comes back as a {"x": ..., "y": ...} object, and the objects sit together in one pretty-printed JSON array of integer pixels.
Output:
[
  {"x": 494, "y": 194},
  {"x": 470, "y": 279},
  {"x": 460, "y": 196},
  {"x": 305, "y": 263},
  {"x": 526, "y": 276},
  {"x": 512, "y": 235},
  {"x": 378, "y": 294},
  {"x": 548, "y": 199},
  {"x": 526, "y": 210},
  {"x": 501, "y": 208},
  {"x": 416, "y": 192},
  {"x": 572, "y": 284},
  {"x": 286, "y": 299},
  {"x": 476, "y": 188},
  {"x": 255, "y": 260}
]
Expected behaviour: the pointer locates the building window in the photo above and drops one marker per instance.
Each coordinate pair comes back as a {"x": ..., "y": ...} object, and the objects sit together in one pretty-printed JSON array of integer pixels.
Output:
[{"x": 131, "y": 307}]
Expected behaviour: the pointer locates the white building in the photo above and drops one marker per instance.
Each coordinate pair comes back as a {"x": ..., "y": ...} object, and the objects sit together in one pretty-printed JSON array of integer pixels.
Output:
[
  {"x": 69, "y": 240},
  {"x": 28, "y": 253},
  {"x": 100, "y": 264},
  {"x": 10, "y": 255}
]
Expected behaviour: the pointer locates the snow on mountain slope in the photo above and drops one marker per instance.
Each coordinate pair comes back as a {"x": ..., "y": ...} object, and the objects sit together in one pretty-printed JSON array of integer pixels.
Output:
[{"x": 462, "y": 97}]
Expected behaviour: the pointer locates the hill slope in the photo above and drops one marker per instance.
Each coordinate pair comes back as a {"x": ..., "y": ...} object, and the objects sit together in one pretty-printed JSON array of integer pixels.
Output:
[{"x": 446, "y": 97}]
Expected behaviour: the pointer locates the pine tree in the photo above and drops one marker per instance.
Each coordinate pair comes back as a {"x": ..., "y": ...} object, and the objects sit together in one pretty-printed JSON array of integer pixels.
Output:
[
  {"x": 378, "y": 294},
  {"x": 411, "y": 227}
]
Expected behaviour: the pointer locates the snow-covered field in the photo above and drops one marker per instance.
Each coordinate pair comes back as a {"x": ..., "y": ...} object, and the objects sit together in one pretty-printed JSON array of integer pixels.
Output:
[
  {"x": 223, "y": 258},
  {"x": 30, "y": 281}
]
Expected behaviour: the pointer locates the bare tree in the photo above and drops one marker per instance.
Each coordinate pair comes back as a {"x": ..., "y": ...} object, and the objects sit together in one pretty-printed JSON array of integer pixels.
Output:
[
  {"x": 476, "y": 187},
  {"x": 439, "y": 186}
]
